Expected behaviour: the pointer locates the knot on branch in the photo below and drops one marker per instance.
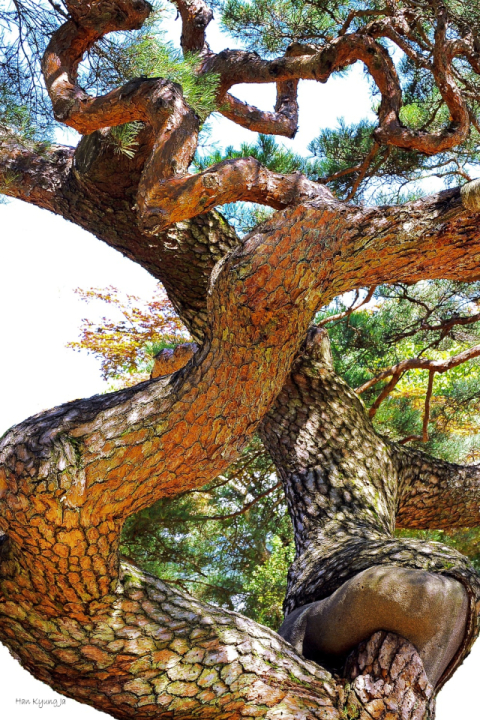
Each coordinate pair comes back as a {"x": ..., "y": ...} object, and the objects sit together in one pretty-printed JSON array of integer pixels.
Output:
[
  {"x": 387, "y": 680},
  {"x": 470, "y": 194},
  {"x": 111, "y": 15}
]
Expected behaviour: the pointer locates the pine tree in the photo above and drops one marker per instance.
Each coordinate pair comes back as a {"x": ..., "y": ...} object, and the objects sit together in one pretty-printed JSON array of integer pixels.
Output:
[{"x": 97, "y": 628}]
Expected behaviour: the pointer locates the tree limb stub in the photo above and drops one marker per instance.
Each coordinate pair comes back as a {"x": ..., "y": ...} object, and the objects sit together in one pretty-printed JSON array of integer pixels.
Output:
[
  {"x": 196, "y": 15},
  {"x": 35, "y": 175},
  {"x": 284, "y": 121}
]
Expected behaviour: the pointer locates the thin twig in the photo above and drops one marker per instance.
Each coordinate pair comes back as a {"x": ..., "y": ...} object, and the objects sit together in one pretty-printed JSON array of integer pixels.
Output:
[
  {"x": 244, "y": 509},
  {"x": 351, "y": 309},
  {"x": 426, "y": 416}
]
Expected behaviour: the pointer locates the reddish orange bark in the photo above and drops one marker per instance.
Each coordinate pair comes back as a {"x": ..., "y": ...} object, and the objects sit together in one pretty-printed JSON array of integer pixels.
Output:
[{"x": 70, "y": 477}]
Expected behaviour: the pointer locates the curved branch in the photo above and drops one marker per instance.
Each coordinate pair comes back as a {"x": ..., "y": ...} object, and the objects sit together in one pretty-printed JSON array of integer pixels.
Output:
[
  {"x": 164, "y": 203},
  {"x": 156, "y": 101},
  {"x": 90, "y": 22},
  {"x": 141, "y": 99},
  {"x": 196, "y": 15},
  {"x": 138, "y": 445},
  {"x": 235, "y": 66},
  {"x": 151, "y": 650},
  {"x": 421, "y": 363},
  {"x": 396, "y": 377},
  {"x": 284, "y": 121}
]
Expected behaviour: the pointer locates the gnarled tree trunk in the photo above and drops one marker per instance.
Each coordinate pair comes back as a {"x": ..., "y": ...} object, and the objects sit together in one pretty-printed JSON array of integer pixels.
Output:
[{"x": 101, "y": 631}]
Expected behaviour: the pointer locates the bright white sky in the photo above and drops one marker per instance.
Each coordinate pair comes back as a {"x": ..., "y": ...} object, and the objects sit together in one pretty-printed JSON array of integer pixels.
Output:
[{"x": 44, "y": 258}]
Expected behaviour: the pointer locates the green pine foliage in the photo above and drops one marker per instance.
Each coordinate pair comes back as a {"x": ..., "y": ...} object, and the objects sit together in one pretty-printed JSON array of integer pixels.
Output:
[
  {"x": 146, "y": 53},
  {"x": 269, "y": 26},
  {"x": 224, "y": 541},
  {"x": 152, "y": 56},
  {"x": 267, "y": 584},
  {"x": 267, "y": 150},
  {"x": 25, "y": 30},
  {"x": 401, "y": 324},
  {"x": 124, "y": 138}
]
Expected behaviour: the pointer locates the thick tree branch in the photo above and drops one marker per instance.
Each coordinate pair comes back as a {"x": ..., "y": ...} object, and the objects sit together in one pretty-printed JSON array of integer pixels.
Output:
[
  {"x": 436, "y": 494},
  {"x": 331, "y": 250},
  {"x": 341, "y": 481},
  {"x": 148, "y": 649},
  {"x": 176, "y": 199},
  {"x": 235, "y": 66},
  {"x": 34, "y": 173},
  {"x": 196, "y": 15}
]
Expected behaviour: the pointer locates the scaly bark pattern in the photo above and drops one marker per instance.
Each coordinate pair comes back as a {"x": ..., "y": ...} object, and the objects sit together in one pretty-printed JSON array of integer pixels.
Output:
[
  {"x": 387, "y": 681},
  {"x": 342, "y": 483},
  {"x": 150, "y": 651},
  {"x": 69, "y": 478}
]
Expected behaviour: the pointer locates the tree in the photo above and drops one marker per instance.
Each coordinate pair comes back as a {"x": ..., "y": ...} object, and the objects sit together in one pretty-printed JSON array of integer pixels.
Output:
[
  {"x": 230, "y": 541},
  {"x": 104, "y": 632}
]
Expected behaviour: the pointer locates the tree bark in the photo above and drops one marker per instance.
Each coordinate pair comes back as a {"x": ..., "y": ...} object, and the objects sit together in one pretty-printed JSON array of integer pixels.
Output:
[
  {"x": 345, "y": 486},
  {"x": 387, "y": 681},
  {"x": 69, "y": 477}
]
